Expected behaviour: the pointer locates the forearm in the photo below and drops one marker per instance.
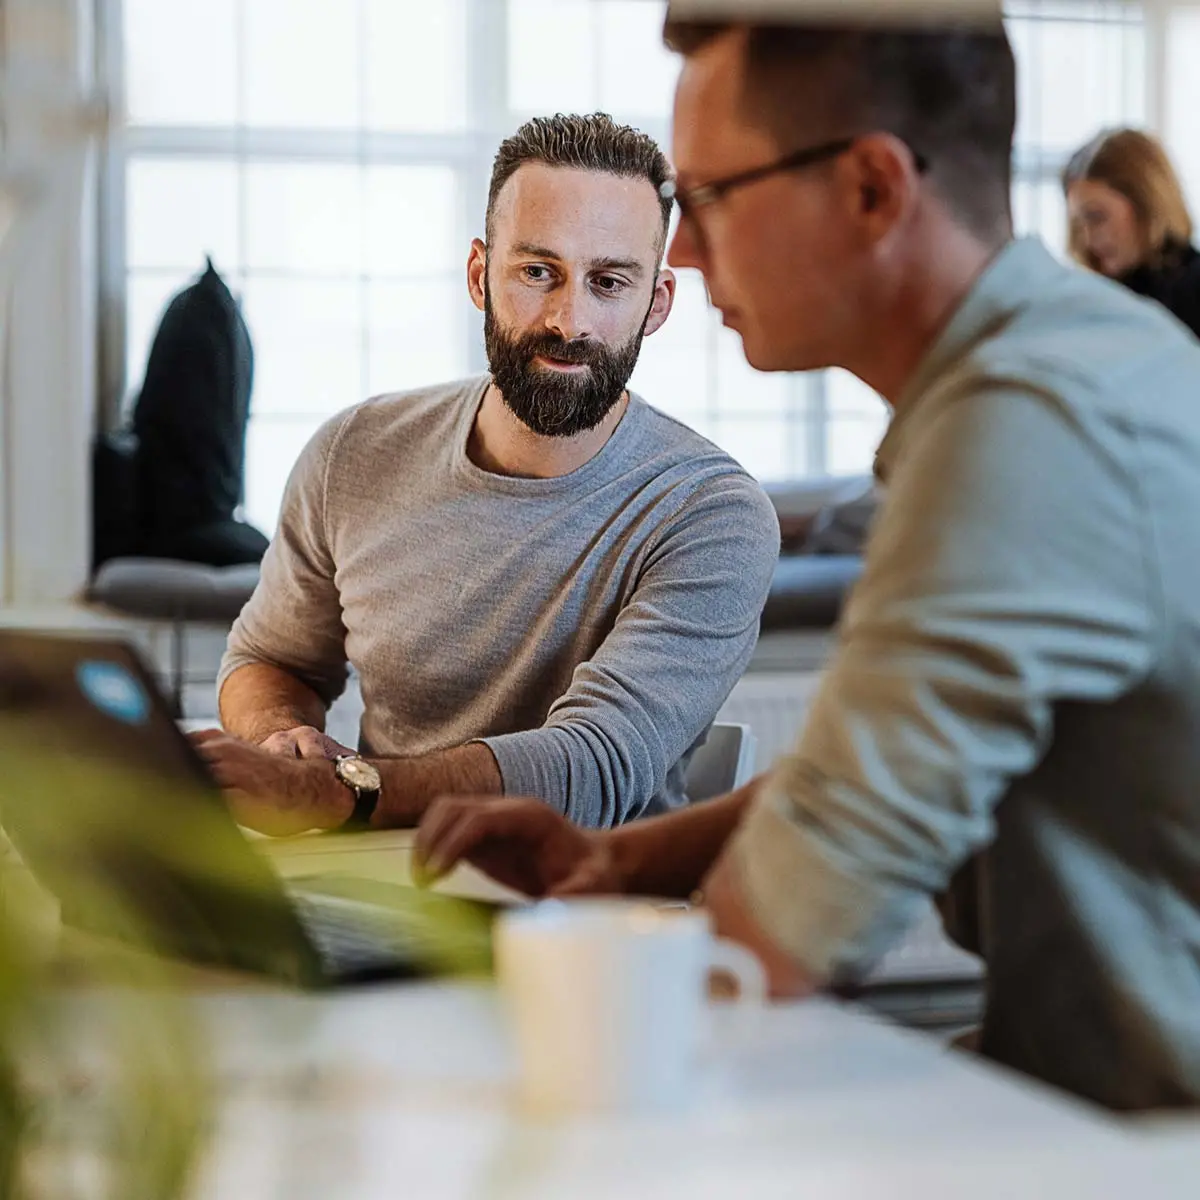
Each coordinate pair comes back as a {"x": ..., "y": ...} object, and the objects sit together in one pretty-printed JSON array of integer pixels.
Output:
[
  {"x": 670, "y": 855},
  {"x": 410, "y": 785},
  {"x": 259, "y": 700}
]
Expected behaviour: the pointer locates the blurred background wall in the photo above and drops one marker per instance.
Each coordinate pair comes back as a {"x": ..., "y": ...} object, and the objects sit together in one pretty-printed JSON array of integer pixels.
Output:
[
  {"x": 333, "y": 156},
  {"x": 48, "y": 290}
]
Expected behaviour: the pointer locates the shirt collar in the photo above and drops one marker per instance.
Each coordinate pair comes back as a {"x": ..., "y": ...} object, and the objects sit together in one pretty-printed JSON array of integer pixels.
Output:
[{"x": 1015, "y": 276}]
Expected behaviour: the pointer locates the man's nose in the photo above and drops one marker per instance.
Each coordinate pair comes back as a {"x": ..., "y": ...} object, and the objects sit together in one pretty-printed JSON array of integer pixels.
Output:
[{"x": 568, "y": 315}]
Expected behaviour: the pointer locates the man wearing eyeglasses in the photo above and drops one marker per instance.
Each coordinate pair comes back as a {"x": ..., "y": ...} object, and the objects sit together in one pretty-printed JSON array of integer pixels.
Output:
[{"x": 1019, "y": 668}]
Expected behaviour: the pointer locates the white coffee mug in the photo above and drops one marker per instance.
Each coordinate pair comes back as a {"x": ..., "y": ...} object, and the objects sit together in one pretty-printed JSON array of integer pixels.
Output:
[{"x": 608, "y": 999}]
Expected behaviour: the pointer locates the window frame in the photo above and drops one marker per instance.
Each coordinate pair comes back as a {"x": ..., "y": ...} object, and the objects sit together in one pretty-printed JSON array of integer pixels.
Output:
[{"x": 809, "y": 417}]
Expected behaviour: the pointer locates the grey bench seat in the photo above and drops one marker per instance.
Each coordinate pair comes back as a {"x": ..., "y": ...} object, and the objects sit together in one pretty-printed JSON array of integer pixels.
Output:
[{"x": 175, "y": 592}]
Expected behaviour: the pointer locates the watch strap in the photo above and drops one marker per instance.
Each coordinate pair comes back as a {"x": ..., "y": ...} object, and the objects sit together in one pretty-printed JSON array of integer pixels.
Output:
[{"x": 366, "y": 800}]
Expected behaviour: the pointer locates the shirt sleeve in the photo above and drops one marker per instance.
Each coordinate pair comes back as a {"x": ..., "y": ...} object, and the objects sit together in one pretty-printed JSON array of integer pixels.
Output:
[
  {"x": 675, "y": 651},
  {"x": 294, "y": 618},
  {"x": 1008, "y": 572}
]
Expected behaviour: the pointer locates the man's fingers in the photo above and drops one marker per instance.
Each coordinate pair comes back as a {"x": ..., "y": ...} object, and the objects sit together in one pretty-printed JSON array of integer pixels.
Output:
[
  {"x": 430, "y": 830},
  {"x": 221, "y": 772},
  {"x": 457, "y": 826},
  {"x": 212, "y": 749},
  {"x": 312, "y": 743},
  {"x": 202, "y": 737},
  {"x": 435, "y": 850},
  {"x": 587, "y": 879},
  {"x": 281, "y": 744},
  {"x": 304, "y": 741}
]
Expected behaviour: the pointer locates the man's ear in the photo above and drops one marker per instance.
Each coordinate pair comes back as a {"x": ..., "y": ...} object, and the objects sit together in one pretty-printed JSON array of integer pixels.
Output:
[
  {"x": 663, "y": 302},
  {"x": 477, "y": 273},
  {"x": 882, "y": 181}
]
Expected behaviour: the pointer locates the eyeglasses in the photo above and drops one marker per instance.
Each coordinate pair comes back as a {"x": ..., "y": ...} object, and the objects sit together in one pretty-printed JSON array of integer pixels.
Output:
[{"x": 703, "y": 194}]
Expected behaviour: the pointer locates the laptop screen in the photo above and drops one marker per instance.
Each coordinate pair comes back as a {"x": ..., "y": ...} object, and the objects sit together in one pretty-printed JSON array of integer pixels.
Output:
[{"x": 111, "y": 809}]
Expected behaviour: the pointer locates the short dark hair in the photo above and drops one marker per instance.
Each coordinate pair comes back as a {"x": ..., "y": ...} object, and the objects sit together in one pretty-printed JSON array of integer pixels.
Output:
[
  {"x": 949, "y": 93},
  {"x": 594, "y": 142}
]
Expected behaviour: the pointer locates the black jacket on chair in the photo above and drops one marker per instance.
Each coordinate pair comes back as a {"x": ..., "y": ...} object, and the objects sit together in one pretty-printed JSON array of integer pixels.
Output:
[
  {"x": 1175, "y": 285},
  {"x": 190, "y": 421}
]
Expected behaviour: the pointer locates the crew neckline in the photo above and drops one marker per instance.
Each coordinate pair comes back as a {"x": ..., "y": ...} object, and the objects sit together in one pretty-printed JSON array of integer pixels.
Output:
[{"x": 515, "y": 485}]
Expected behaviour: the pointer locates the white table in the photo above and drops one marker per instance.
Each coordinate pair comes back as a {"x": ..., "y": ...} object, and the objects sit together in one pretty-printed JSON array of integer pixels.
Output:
[
  {"x": 385, "y": 855},
  {"x": 409, "y": 1092}
]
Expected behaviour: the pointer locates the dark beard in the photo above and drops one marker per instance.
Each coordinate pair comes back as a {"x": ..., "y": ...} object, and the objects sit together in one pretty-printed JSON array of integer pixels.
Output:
[{"x": 553, "y": 404}]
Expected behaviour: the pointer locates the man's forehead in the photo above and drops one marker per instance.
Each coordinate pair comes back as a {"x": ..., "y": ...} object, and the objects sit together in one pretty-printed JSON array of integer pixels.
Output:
[
  {"x": 583, "y": 211},
  {"x": 711, "y": 126}
]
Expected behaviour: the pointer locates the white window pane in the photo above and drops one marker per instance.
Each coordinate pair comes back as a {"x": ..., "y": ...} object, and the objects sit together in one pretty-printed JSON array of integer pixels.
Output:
[
  {"x": 761, "y": 446},
  {"x": 415, "y": 68},
  {"x": 847, "y": 395},
  {"x": 308, "y": 352},
  {"x": 181, "y": 61},
  {"x": 302, "y": 65},
  {"x": 1041, "y": 209},
  {"x": 416, "y": 335},
  {"x": 273, "y": 445},
  {"x": 1076, "y": 78},
  {"x": 637, "y": 72},
  {"x": 551, "y": 56},
  {"x": 178, "y": 210},
  {"x": 673, "y": 371},
  {"x": 146, "y": 299},
  {"x": 858, "y": 418},
  {"x": 1022, "y": 35},
  {"x": 410, "y": 227},
  {"x": 1183, "y": 98},
  {"x": 741, "y": 390},
  {"x": 303, "y": 217},
  {"x": 852, "y": 442}
]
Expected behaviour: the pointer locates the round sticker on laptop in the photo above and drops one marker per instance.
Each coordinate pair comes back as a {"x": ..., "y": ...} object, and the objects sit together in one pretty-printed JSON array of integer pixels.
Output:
[{"x": 114, "y": 690}]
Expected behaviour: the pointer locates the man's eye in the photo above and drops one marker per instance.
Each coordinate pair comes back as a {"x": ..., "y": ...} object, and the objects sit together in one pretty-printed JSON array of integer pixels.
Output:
[
  {"x": 537, "y": 274},
  {"x": 610, "y": 285}
]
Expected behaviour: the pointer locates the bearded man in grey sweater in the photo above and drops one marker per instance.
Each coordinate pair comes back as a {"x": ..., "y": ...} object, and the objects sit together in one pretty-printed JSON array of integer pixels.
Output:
[{"x": 546, "y": 586}]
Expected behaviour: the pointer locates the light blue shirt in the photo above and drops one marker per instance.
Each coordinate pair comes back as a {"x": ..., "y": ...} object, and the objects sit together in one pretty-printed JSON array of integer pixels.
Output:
[{"x": 1019, "y": 667}]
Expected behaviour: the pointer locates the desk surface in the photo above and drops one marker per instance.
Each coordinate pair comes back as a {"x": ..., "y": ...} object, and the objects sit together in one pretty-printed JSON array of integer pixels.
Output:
[
  {"x": 408, "y": 1091},
  {"x": 385, "y": 855}
]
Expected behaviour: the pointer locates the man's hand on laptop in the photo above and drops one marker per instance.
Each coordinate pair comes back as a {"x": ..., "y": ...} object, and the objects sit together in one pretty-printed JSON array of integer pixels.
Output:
[
  {"x": 303, "y": 742},
  {"x": 522, "y": 844},
  {"x": 271, "y": 794}
]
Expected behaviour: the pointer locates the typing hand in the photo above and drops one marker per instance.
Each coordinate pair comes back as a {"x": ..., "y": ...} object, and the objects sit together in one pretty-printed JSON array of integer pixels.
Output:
[
  {"x": 303, "y": 742},
  {"x": 274, "y": 795},
  {"x": 522, "y": 844}
]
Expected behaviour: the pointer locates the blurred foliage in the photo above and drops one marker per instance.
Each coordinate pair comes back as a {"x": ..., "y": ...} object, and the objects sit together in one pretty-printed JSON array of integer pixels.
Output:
[{"x": 104, "y": 1088}]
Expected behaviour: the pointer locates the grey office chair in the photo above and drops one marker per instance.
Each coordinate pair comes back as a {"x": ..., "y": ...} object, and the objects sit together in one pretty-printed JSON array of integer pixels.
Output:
[{"x": 724, "y": 762}]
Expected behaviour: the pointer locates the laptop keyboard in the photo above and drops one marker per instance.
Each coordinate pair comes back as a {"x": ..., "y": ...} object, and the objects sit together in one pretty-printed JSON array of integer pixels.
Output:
[
  {"x": 364, "y": 928},
  {"x": 356, "y": 939}
]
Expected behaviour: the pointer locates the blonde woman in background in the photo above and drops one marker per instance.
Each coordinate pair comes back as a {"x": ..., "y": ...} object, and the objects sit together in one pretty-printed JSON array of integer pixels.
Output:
[{"x": 1130, "y": 222}]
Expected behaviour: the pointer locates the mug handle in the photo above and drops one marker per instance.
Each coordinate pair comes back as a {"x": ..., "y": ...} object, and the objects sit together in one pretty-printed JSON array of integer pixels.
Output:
[{"x": 729, "y": 958}]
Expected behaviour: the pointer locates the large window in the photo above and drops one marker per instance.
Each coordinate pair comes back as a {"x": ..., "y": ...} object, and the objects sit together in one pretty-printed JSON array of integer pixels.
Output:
[
  {"x": 332, "y": 157},
  {"x": 1082, "y": 67}
]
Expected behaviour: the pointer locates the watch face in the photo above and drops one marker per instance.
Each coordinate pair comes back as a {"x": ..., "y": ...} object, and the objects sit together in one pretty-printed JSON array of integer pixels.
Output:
[{"x": 359, "y": 773}]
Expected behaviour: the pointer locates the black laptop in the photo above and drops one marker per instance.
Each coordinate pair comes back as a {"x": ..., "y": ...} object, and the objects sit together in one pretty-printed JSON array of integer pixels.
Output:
[{"x": 109, "y": 806}]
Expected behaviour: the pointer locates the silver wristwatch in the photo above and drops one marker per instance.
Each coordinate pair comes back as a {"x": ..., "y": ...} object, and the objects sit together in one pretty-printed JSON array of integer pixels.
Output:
[{"x": 364, "y": 780}]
